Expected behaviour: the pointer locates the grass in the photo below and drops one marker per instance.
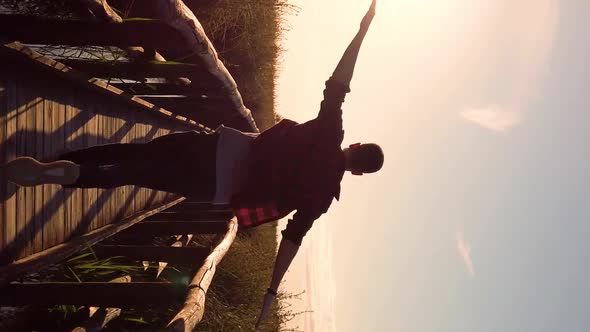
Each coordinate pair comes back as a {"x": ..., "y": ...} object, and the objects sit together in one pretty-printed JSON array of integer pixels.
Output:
[
  {"x": 235, "y": 297},
  {"x": 246, "y": 34},
  {"x": 233, "y": 301}
]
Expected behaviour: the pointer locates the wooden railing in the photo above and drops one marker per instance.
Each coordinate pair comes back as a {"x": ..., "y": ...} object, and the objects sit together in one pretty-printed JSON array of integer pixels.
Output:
[{"x": 182, "y": 220}]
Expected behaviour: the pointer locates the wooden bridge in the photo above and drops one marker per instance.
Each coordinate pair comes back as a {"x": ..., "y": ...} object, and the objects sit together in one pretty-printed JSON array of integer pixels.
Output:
[{"x": 49, "y": 105}]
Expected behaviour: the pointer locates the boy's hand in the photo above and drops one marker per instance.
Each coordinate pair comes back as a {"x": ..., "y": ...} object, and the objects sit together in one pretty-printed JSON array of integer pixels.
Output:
[{"x": 366, "y": 22}]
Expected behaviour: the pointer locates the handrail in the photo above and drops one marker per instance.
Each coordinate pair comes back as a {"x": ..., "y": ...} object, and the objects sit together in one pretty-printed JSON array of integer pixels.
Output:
[
  {"x": 179, "y": 16},
  {"x": 194, "y": 306}
]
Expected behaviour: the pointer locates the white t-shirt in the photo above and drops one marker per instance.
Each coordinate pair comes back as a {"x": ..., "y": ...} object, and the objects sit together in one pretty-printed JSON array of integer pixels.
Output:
[{"x": 232, "y": 162}]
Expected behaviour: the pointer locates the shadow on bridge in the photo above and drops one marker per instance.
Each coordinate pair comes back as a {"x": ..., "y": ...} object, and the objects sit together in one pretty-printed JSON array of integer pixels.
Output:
[{"x": 41, "y": 118}]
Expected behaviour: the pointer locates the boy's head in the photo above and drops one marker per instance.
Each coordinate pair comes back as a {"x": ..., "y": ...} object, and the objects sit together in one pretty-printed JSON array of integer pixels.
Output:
[{"x": 363, "y": 158}]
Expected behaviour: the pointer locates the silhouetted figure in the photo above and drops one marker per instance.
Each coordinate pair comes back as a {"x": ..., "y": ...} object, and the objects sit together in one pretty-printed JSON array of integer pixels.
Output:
[{"x": 263, "y": 177}]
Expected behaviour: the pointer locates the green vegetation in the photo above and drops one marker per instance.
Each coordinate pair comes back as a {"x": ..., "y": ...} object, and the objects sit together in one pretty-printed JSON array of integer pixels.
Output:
[
  {"x": 246, "y": 34},
  {"x": 233, "y": 301},
  {"x": 235, "y": 297}
]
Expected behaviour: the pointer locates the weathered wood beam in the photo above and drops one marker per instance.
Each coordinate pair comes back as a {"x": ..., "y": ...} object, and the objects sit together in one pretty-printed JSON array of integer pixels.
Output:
[
  {"x": 100, "y": 294},
  {"x": 196, "y": 88},
  {"x": 40, "y": 30},
  {"x": 138, "y": 69},
  {"x": 216, "y": 104},
  {"x": 162, "y": 228},
  {"x": 100, "y": 317},
  {"x": 181, "y": 241},
  {"x": 194, "y": 305},
  {"x": 194, "y": 206},
  {"x": 176, "y": 254},
  {"x": 221, "y": 215},
  {"x": 197, "y": 104},
  {"x": 179, "y": 16}
]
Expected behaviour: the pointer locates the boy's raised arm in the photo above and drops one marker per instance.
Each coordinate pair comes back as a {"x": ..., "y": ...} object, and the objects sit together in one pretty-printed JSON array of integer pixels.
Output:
[{"x": 345, "y": 68}]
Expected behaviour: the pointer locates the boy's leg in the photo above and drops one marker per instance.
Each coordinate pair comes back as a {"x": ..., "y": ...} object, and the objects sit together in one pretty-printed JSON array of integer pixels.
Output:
[
  {"x": 158, "y": 147},
  {"x": 182, "y": 163},
  {"x": 106, "y": 153}
]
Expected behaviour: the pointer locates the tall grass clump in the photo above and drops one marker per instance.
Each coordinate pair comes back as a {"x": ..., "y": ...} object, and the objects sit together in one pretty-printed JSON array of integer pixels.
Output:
[
  {"x": 235, "y": 297},
  {"x": 247, "y": 34}
]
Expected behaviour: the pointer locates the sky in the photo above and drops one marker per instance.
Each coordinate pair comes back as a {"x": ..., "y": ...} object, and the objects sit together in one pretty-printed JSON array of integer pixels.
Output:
[{"x": 478, "y": 220}]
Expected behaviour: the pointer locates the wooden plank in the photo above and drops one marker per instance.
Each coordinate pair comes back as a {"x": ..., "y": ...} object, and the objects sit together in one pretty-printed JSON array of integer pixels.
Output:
[
  {"x": 179, "y": 16},
  {"x": 209, "y": 115},
  {"x": 103, "y": 294},
  {"x": 78, "y": 225},
  {"x": 104, "y": 193},
  {"x": 195, "y": 215},
  {"x": 22, "y": 54},
  {"x": 199, "y": 104},
  {"x": 90, "y": 139},
  {"x": 62, "y": 125},
  {"x": 3, "y": 141},
  {"x": 59, "y": 252},
  {"x": 164, "y": 228},
  {"x": 37, "y": 243},
  {"x": 194, "y": 305},
  {"x": 138, "y": 205},
  {"x": 10, "y": 203},
  {"x": 35, "y": 149},
  {"x": 197, "y": 88},
  {"x": 29, "y": 92},
  {"x": 125, "y": 191},
  {"x": 49, "y": 232},
  {"x": 100, "y": 193},
  {"x": 181, "y": 255},
  {"x": 196, "y": 206},
  {"x": 51, "y": 141},
  {"x": 50, "y": 117},
  {"x": 141, "y": 194},
  {"x": 21, "y": 138},
  {"x": 138, "y": 70},
  {"x": 119, "y": 192},
  {"x": 132, "y": 139},
  {"x": 41, "y": 30},
  {"x": 108, "y": 132}
]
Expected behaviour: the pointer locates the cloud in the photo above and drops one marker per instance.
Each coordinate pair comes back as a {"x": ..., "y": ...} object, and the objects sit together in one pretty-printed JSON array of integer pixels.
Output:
[
  {"x": 493, "y": 117},
  {"x": 464, "y": 250},
  {"x": 515, "y": 56}
]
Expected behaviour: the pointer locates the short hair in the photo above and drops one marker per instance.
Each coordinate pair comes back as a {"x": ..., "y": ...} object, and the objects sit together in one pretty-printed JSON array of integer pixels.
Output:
[{"x": 370, "y": 157}]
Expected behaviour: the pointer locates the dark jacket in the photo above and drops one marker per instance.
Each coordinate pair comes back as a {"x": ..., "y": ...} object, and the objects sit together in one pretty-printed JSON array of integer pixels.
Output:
[{"x": 296, "y": 167}]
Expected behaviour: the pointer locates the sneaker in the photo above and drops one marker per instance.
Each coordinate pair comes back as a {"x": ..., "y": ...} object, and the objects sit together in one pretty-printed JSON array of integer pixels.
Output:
[{"x": 27, "y": 171}]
